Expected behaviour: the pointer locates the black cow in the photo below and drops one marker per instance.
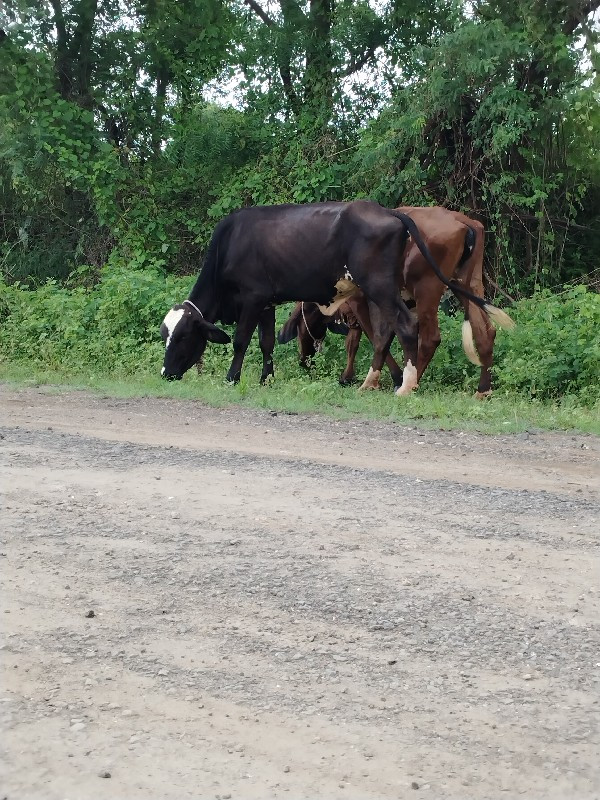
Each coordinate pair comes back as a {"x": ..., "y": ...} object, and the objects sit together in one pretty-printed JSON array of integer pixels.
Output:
[{"x": 261, "y": 256}]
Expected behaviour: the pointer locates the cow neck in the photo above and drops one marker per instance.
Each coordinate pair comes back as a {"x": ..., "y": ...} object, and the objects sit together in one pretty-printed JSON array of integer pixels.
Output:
[{"x": 203, "y": 299}]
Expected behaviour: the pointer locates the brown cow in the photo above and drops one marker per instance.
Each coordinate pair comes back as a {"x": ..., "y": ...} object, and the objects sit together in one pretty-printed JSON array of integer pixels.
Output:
[{"x": 456, "y": 243}]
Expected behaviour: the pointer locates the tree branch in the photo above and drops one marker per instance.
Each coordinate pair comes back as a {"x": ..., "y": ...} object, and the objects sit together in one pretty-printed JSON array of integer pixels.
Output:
[
  {"x": 63, "y": 63},
  {"x": 285, "y": 70},
  {"x": 260, "y": 12},
  {"x": 579, "y": 16},
  {"x": 80, "y": 48},
  {"x": 358, "y": 63},
  {"x": 497, "y": 288}
]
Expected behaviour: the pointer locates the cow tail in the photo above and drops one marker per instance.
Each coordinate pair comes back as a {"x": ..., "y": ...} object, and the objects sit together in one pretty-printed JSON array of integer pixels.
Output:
[
  {"x": 468, "y": 344},
  {"x": 473, "y": 251},
  {"x": 498, "y": 316},
  {"x": 290, "y": 329}
]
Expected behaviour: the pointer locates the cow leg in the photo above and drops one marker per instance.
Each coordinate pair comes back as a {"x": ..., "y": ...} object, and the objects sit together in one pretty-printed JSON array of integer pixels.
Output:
[
  {"x": 352, "y": 342},
  {"x": 407, "y": 331},
  {"x": 245, "y": 328},
  {"x": 427, "y": 298},
  {"x": 360, "y": 308},
  {"x": 266, "y": 340},
  {"x": 395, "y": 370},
  {"x": 484, "y": 334},
  {"x": 382, "y": 323},
  {"x": 387, "y": 320},
  {"x": 306, "y": 346},
  {"x": 429, "y": 339}
]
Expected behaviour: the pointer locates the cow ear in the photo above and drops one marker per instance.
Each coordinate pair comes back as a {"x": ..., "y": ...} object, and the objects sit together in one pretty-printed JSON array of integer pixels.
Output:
[{"x": 214, "y": 334}]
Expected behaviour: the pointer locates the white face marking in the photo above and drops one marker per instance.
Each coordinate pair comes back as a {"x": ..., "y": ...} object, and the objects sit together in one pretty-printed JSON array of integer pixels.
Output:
[
  {"x": 170, "y": 322},
  {"x": 348, "y": 276}
]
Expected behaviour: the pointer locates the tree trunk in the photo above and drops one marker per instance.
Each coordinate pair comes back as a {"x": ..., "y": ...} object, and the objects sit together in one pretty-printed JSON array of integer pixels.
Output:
[{"x": 318, "y": 77}]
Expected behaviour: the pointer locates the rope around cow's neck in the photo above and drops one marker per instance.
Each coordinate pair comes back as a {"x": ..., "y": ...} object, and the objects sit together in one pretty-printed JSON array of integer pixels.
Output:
[
  {"x": 317, "y": 343},
  {"x": 194, "y": 306}
]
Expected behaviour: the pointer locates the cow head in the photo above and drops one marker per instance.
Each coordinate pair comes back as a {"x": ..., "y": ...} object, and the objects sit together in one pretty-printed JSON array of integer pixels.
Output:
[{"x": 185, "y": 333}]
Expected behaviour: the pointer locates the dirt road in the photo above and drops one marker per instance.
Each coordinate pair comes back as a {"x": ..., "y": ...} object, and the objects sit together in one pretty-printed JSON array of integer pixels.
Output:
[{"x": 233, "y": 604}]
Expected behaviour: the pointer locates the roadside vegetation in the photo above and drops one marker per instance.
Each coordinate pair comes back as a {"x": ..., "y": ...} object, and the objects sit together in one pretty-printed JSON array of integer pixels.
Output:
[{"x": 106, "y": 337}]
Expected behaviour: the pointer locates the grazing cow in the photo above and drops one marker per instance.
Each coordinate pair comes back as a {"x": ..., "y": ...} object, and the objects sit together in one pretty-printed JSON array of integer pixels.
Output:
[
  {"x": 265, "y": 255},
  {"x": 456, "y": 242},
  {"x": 322, "y": 252}
]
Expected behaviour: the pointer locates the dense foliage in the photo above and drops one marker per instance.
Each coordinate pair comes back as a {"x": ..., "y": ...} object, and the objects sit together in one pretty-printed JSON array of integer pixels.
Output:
[
  {"x": 110, "y": 328},
  {"x": 110, "y": 150}
]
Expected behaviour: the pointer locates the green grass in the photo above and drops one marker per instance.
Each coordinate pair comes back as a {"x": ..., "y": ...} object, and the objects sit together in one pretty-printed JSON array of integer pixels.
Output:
[{"x": 426, "y": 408}]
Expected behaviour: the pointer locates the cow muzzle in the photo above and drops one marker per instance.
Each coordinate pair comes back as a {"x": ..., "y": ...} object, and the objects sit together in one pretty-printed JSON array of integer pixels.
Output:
[{"x": 170, "y": 377}]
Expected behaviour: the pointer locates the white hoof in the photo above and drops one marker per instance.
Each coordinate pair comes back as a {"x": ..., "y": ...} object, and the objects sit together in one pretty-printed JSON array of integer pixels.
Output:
[
  {"x": 409, "y": 381},
  {"x": 372, "y": 380}
]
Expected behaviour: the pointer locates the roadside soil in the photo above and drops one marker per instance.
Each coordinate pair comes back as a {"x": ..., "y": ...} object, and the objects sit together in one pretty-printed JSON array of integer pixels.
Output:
[{"x": 230, "y": 603}]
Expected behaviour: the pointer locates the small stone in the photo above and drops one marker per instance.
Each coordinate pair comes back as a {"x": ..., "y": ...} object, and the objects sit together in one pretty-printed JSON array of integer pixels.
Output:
[
  {"x": 286, "y": 769},
  {"x": 414, "y": 785},
  {"x": 78, "y": 726},
  {"x": 392, "y": 661},
  {"x": 91, "y": 613},
  {"x": 104, "y": 773}
]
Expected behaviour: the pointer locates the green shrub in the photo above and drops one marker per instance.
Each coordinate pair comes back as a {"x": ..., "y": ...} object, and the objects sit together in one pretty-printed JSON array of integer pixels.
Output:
[
  {"x": 555, "y": 348},
  {"x": 112, "y": 327}
]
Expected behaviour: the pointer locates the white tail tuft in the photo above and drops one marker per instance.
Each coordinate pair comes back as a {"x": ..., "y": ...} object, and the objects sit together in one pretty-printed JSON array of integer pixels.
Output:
[
  {"x": 498, "y": 316},
  {"x": 469, "y": 344}
]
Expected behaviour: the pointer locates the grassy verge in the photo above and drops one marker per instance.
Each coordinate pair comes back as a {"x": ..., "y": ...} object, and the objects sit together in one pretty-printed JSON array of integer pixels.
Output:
[{"x": 426, "y": 408}]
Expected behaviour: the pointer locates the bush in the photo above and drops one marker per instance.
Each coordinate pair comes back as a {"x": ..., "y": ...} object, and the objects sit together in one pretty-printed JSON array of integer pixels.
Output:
[
  {"x": 555, "y": 348},
  {"x": 113, "y": 327}
]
